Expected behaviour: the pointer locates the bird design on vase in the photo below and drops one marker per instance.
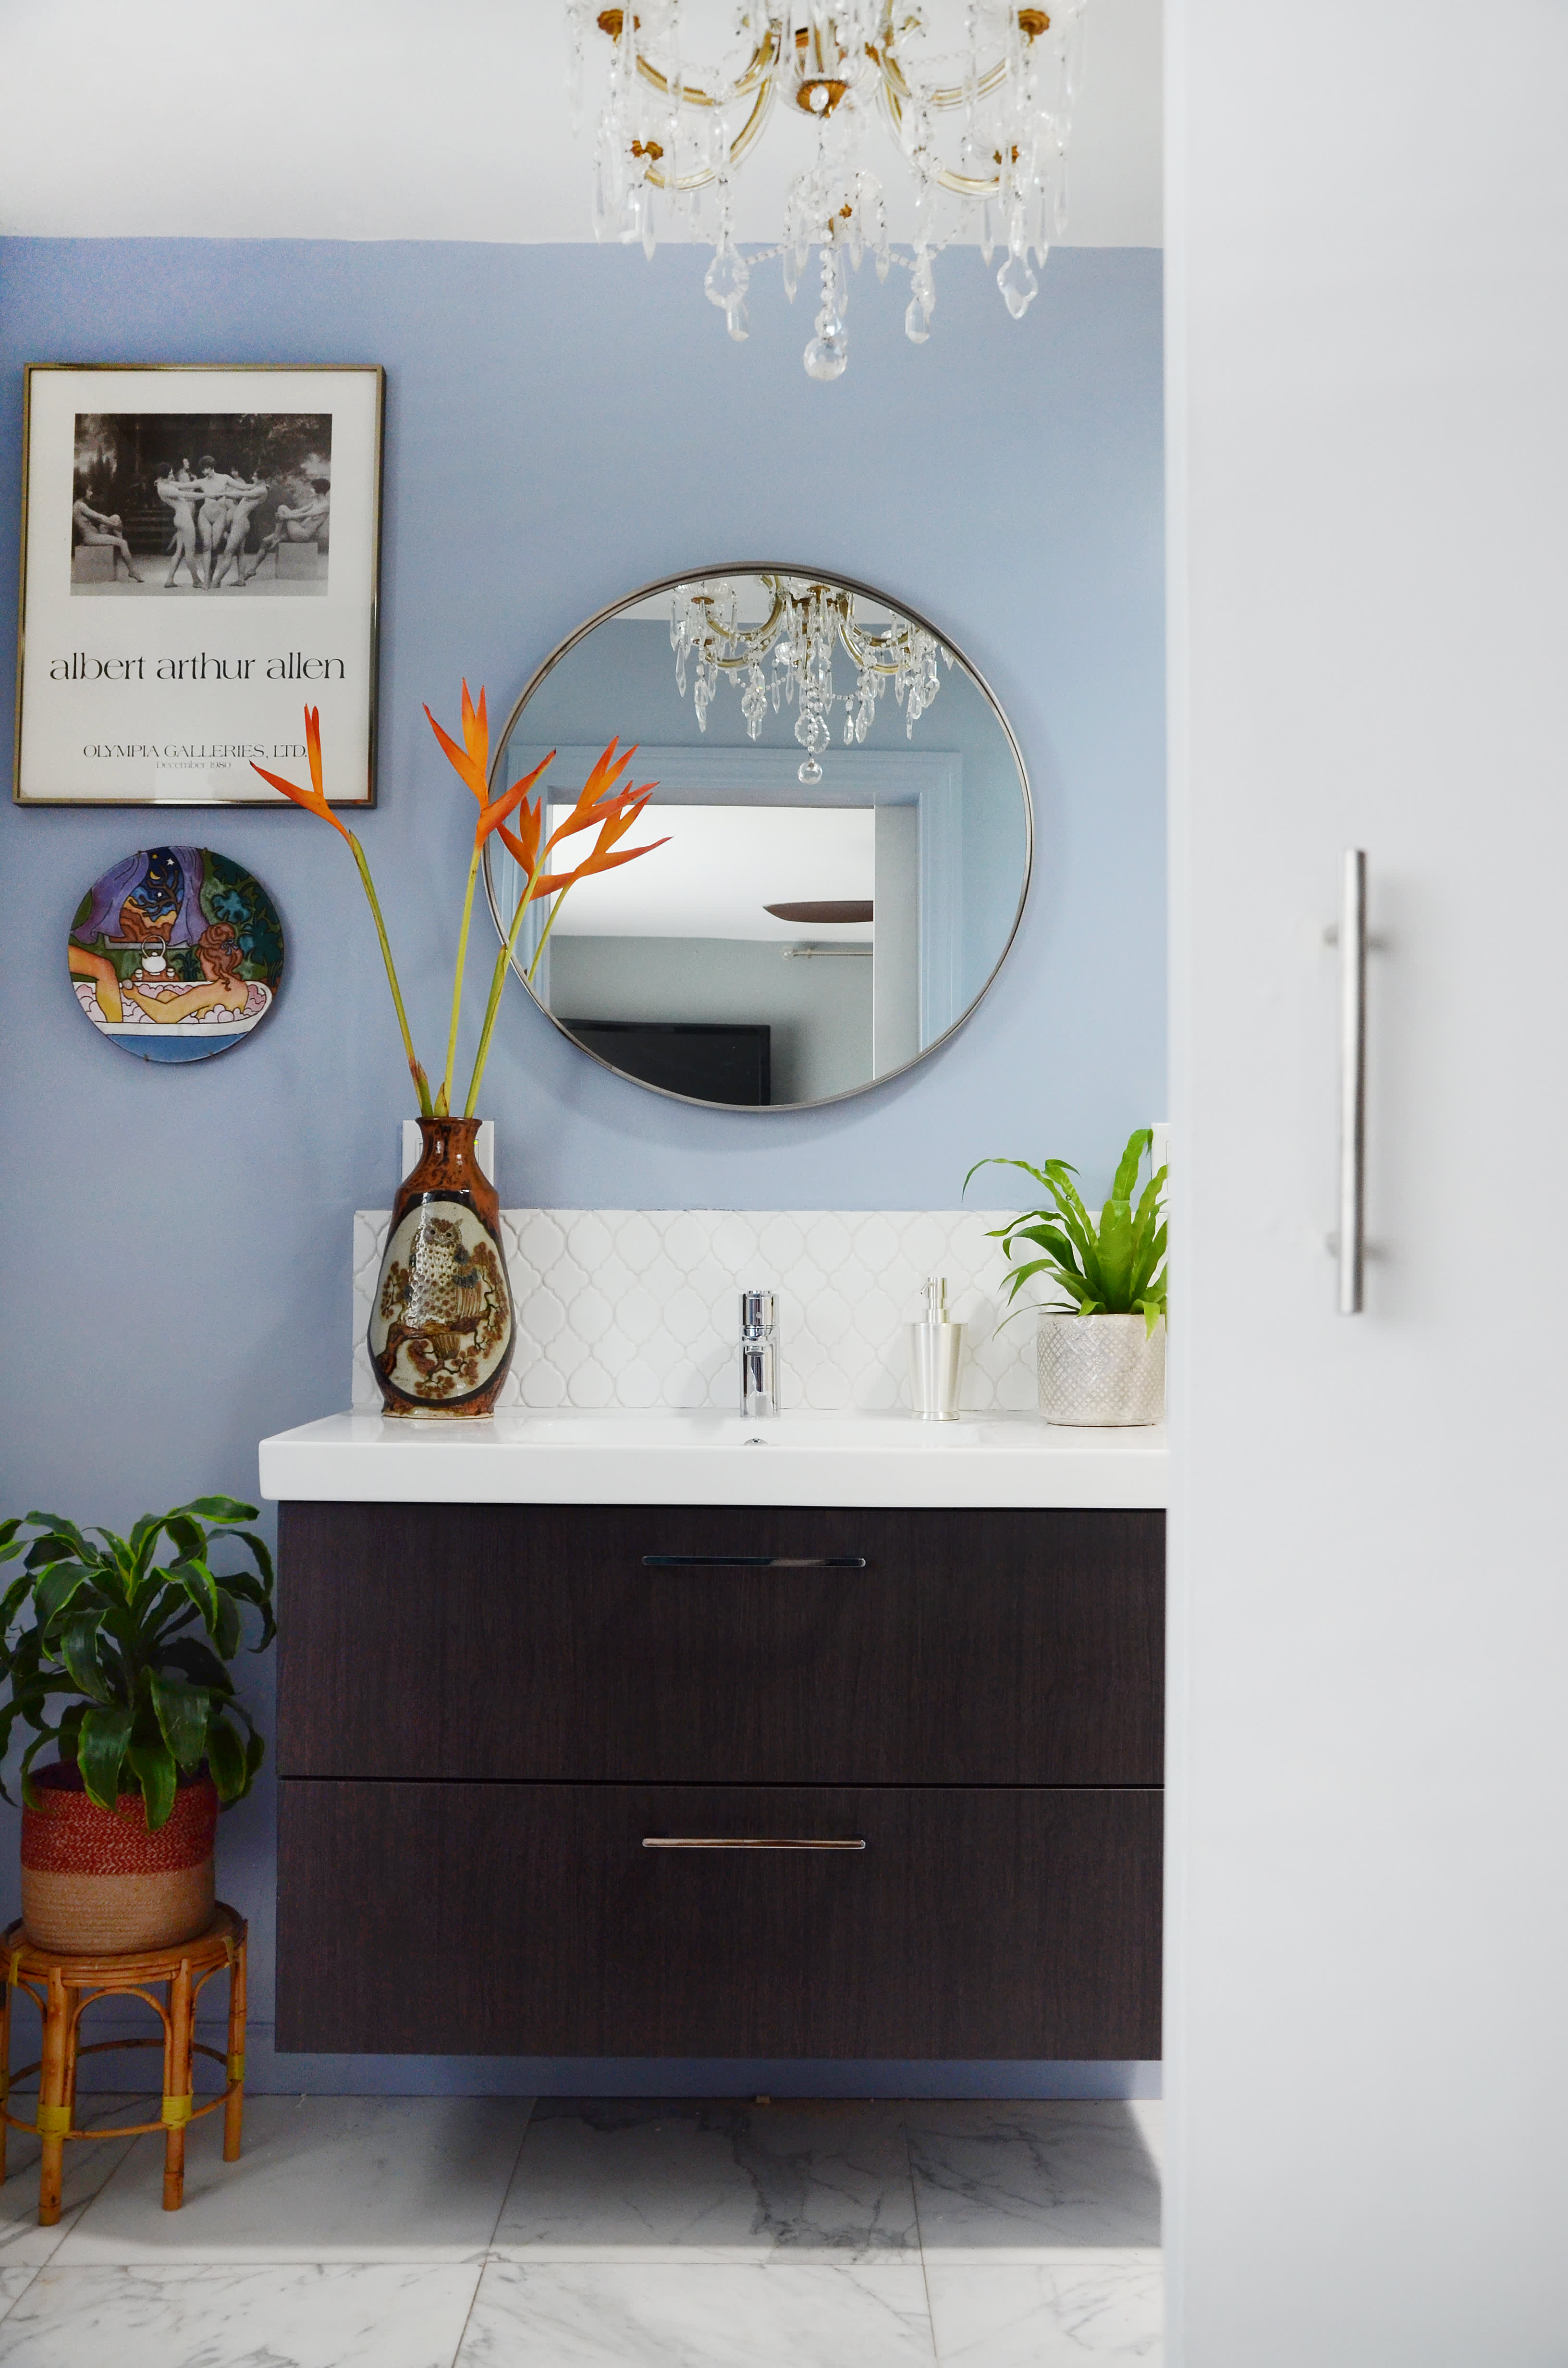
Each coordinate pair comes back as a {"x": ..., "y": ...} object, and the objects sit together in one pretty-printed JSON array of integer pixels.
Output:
[{"x": 447, "y": 1310}]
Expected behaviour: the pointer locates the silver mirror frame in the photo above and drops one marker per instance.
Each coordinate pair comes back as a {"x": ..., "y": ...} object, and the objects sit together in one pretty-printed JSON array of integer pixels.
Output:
[{"x": 866, "y": 591}]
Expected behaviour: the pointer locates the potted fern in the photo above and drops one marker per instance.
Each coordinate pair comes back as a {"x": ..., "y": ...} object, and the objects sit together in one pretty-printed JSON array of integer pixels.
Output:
[
  {"x": 1102, "y": 1357},
  {"x": 116, "y": 1651}
]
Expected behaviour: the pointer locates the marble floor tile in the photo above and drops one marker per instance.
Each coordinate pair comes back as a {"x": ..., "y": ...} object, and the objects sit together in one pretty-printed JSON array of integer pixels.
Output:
[
  {"x": 1080, "y": 2310},
  {"x": 14, "y": 2284},
  {"x": 712, "y": 2182},
  {"x": 323, "y": 2178},
  {"x": 1017, "y": 2181},
  {"x": 695, "y": 2314},
  {"x": 24, "y": 2246},
  {"x": 292, "y": 2314}
]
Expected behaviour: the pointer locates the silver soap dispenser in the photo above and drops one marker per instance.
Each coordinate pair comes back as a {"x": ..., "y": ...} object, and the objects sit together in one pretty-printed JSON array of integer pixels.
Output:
[{"x": 936, "y": 1357}]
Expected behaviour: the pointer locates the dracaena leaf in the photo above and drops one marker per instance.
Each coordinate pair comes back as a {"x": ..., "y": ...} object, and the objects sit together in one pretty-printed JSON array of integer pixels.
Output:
[
  {"x": 219, "y": 1508},
  {"x": 153, "y": 1765},
  {"x": 226, "y": 1632},
  {"x": 101, "y": 1747},
  {"x": 258, "y": 1547},
  {"x": 199, "y": 1584},
  {"x": 79, "y": 1651},
  {"x": 15, "y": 1597},
  {"x": 54, "y": 1525},
  {"x": 182, "y": 1713},
  {"x": 226, "y": 1759},
  {"x": 252, "y": 1591},
  {"x": 198, "y": 1662},
  {"x": 29, "y": 1792},
  {"x": 62, "y": 1584}
]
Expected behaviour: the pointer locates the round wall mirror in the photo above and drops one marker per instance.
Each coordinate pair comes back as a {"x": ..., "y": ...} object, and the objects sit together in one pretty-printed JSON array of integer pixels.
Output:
[{"x": 845, "y": 827}]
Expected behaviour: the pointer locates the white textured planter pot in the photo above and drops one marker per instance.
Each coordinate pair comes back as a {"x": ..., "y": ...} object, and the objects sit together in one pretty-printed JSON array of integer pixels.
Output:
[{"x": 1101, "y": 1371}]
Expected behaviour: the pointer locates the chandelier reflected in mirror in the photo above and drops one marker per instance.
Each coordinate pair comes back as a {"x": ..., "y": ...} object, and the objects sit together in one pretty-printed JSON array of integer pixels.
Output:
[
  {"x": 804, "y": 624},
  {"x": 978, "y": 98}
]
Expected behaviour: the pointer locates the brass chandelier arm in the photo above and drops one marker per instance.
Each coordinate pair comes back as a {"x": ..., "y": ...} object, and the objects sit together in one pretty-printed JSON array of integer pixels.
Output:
[
  {"x": 962, "y": 185},
  {"x": 758, "y": 70},
  {"x": 760, "y": 74},
  {"x": 756, "y": 640},
  {"x": 862, "y": 650},
  {"x": 761, "y": 108}
]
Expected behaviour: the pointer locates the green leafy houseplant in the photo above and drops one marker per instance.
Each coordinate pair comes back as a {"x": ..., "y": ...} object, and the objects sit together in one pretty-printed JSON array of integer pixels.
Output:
[
  {"x": 135, "y": 1633},
  {"x": 1114, "y": 1269}
]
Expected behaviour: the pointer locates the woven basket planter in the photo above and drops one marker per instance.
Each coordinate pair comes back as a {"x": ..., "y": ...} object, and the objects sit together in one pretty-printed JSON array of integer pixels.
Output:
[
  {"x": 1101, "y": 1371},
  {"x": 96, "y": 1882}
]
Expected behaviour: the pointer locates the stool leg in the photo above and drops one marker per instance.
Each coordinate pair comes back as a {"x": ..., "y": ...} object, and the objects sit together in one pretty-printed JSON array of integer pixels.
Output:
[
  {"x": 233, "y": 2111},
  {"x": 51, "y": 2092},
  {"x": 73, "y": 2036},
  {"x": 176, "y": 2087}
]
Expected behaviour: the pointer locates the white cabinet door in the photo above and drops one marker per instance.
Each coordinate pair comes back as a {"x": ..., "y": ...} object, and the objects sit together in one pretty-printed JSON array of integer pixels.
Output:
[{"x": 1368, "y": 252}]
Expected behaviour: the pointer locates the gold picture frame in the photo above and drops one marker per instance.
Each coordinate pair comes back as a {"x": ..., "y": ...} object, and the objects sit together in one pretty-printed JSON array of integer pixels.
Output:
[{"x": 151, "y": 511}]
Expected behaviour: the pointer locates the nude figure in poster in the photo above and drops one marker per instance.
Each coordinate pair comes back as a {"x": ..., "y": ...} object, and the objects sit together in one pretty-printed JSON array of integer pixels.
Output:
[{"x": 93, "y": 527}]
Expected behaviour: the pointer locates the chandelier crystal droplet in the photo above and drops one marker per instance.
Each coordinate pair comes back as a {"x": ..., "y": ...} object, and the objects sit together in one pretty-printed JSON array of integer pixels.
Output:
[
  {"x": 977, "y": 98},
  {"x": 805, "y": 623}
]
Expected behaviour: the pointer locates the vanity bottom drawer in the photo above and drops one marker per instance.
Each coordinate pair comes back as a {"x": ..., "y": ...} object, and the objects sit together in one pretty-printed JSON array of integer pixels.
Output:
[{"x": 534, "y": 1919}]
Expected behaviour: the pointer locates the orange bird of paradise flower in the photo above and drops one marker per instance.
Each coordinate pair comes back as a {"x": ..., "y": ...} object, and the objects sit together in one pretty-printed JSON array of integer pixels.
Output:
[{"x": 610, "y": 810}]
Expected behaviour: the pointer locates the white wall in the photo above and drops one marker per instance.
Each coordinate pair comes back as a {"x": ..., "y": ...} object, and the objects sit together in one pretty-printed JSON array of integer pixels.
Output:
[
  {"x": 445, "y": 122},
  {"x": 1367, "y": 372}
]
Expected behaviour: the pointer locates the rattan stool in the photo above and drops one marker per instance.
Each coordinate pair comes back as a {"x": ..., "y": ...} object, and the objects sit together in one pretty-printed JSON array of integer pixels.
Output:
[{"x": 64, "y": 1988}]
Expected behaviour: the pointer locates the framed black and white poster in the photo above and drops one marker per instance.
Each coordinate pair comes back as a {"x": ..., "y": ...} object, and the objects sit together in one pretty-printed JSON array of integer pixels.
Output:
[{"x": 200, "y": 555}]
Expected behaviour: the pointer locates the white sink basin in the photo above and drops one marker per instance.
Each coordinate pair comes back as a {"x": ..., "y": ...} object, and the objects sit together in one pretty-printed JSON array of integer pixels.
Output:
[{"x": 715, "y": 1459}]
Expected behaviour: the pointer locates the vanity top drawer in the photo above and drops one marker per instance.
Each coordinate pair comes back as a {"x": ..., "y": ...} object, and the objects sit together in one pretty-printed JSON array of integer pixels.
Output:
[{"x": 721, "y": 1645}]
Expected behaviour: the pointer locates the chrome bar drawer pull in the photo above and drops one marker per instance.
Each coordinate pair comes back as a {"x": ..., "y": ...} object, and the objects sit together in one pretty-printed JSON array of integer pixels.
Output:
[
  {"x": 715, "y": 1842},
  {"x": 754, "y": 1562}
]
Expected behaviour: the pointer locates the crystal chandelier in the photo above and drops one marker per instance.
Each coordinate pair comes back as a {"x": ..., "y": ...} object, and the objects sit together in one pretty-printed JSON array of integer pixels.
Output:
[
  {"x": 804, "y": 624},
  {"x": 982, "y": 125}
]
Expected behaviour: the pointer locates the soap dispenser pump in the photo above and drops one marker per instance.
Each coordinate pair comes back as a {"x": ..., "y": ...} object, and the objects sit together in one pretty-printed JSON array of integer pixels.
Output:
[{"x": 935, "y": 1355}]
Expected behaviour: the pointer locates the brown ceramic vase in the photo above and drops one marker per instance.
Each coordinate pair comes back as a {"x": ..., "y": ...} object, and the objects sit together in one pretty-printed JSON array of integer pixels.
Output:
[
  {"x": 94, "y": 1882},
  {"x": 441, "y": 1324}
]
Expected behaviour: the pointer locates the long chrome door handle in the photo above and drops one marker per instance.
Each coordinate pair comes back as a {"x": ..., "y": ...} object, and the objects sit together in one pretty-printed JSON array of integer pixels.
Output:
[
  {"x": 754, "y": 1562},
  {"x": 717, "y": 1842},
  {"x": 1352, "y": 1079}
]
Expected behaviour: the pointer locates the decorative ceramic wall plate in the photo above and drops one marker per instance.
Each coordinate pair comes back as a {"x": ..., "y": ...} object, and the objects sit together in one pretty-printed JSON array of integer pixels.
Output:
[{"x": 176, "y": 953}]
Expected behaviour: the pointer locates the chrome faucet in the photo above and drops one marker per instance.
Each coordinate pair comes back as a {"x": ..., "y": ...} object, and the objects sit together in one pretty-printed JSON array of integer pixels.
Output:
[{"x": 759, "y": 1346}]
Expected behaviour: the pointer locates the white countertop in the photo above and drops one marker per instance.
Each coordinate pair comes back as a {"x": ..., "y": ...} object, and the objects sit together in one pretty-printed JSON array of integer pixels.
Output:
[{"x": 715, "y": 1459}]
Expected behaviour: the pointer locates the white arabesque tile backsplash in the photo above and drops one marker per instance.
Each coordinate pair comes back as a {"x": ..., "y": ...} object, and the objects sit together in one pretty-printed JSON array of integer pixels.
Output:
[{"x": 639, "y": 1307}]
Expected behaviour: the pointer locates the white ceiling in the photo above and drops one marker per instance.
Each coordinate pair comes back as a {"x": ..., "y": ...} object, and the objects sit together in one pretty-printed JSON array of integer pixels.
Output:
[{"x": 410, "y": 119}]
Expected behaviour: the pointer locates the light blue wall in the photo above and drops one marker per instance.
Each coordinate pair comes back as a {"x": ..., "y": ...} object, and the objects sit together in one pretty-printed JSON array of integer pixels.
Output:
[{"x": 564, "y": 424}]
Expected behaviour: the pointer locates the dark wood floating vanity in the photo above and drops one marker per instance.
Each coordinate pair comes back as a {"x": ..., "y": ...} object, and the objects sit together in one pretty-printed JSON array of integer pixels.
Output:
[{"x": 512, "y": 1738}]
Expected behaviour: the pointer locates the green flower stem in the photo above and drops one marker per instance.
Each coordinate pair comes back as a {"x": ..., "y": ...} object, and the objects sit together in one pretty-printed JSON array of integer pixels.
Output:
[
  {"x": 420, "y": 1082},
  {"x": 497, "y": 981},
  {"x": 544, "y": 933},
  {"x": 451, "y": 1072}
]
